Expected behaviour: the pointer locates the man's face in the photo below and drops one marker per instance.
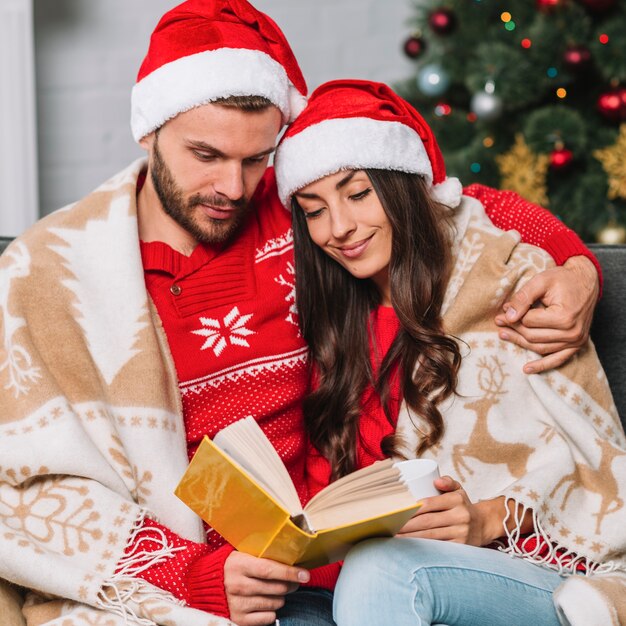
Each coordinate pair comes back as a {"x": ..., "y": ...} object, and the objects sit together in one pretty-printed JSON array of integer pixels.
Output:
[{"x": 206, "y": 163}]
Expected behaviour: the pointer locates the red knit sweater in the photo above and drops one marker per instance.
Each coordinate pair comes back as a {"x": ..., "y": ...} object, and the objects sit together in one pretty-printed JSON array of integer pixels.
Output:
[
  {"x": 230, "y": 321},
  {"x": 229, "y": 316},
  {"x": 374, "y": 425}
]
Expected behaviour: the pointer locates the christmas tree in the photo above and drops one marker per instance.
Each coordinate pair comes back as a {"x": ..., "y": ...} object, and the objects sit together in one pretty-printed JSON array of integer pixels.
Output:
[{"x": 529, "y": 95}]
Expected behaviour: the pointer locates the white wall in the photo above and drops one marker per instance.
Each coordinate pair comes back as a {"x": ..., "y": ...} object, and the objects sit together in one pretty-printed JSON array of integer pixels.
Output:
[
  {"x": 18, "y": 144},
  {"x": 88, "y": 53}
]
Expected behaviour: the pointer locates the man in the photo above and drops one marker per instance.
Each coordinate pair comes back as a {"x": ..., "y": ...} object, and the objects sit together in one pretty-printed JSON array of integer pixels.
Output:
[{"x": 155, "y": 311}]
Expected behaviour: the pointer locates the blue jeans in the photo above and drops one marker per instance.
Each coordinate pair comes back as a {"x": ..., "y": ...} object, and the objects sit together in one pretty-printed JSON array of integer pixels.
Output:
[
  {"x": 308, "y": 606},
  {"x": 416, "y": 582}
]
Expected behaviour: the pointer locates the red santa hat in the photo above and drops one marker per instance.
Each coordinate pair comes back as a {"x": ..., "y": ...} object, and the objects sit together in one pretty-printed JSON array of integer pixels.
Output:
[
  {"x": 355, "y": 124},
  {"x": 203, "y": 50}
]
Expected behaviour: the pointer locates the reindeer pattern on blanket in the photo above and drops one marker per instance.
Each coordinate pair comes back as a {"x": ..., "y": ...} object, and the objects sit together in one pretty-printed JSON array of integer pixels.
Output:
[{"x": 553, "y": 442}]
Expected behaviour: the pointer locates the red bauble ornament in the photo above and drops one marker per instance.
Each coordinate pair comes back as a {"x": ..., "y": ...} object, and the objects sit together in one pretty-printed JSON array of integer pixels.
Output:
[
  {"x": 612, "y": 105},
  {"x": 442, "y": 21},
  {"x": 443, "y": 109},
  {"x": 598, "y": 6},
  {"x": 546, "y": 6},
  {"x": 414, "y": 46},
  {"x": 560, "y": 158},
  {"x": 577, "y": 57}
]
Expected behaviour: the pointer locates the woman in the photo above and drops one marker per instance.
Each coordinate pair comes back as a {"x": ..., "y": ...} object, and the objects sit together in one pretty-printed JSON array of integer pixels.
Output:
[{"x": 398, "y": 279}]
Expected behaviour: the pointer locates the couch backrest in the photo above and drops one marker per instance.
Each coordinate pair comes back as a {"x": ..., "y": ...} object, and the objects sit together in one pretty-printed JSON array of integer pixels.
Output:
[
  {"x": 609, "y": 323},
  {"x": 609, "y": 326}
]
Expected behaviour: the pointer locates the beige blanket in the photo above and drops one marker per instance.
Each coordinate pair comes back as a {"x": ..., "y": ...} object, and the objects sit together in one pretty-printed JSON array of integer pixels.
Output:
[
  {"x": 89, "y": 408},
  {"x": 551, "y": 442},
  {"x": 91, "y": 433}
]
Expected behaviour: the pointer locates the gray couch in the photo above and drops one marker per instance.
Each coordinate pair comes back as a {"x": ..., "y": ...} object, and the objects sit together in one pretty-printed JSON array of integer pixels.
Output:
[
  {"x": 608, "y": 333},
  {"x": 609, "y": 326}
]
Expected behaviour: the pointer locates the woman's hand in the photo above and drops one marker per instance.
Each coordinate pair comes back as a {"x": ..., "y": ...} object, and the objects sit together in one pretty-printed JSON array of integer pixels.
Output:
[
  {"x": 451, "y": 516},
  {"x": 557, "y": 329}
]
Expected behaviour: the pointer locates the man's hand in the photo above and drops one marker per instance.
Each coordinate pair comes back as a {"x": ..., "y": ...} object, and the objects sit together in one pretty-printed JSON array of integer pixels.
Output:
[
  {"x": 551, "y": 314},
  {"x": 256, "y": 588}
]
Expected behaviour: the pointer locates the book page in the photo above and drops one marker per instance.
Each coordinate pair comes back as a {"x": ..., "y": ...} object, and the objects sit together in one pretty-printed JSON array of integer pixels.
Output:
[
  {"x": 246, "y": 443},
  {"x": 371, "y": 491}
]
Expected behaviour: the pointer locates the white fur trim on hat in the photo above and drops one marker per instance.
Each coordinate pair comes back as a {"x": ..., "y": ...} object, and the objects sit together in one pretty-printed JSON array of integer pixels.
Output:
[
  {"x": 448, "y": 192},
  {"x": 203, "y": 77},
  {"x": 347, "y": 143}
]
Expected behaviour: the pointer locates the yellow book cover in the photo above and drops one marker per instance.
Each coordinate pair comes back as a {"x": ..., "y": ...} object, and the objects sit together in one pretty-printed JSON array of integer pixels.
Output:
[{"x": 239, "y": 486}]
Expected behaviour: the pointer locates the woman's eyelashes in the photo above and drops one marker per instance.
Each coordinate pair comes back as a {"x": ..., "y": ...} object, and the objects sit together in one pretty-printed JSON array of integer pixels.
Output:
[
  {"x": 309, "y": 215},
  {"x": 361, "y": 195},
  {"x": 355, "y": 197}
]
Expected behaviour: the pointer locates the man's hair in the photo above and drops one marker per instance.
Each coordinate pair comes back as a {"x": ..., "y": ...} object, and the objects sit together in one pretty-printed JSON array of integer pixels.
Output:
[
  {"x": 249, "y": 104},
  {"x": 334, "y": 309}
]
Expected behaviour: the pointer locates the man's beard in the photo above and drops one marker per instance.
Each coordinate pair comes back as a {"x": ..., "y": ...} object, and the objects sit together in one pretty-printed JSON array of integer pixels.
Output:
[{"x": 208, "y": 230}]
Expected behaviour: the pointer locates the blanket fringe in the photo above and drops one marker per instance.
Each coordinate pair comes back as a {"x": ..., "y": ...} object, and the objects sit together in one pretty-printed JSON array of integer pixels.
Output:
[
  {"x": 124, "y": 589},
  {"x": 557, "y": 557}
]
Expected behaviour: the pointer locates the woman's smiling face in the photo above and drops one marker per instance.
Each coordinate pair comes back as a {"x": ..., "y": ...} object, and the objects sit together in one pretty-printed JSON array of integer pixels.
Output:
[{"x": 346, "y": 219}]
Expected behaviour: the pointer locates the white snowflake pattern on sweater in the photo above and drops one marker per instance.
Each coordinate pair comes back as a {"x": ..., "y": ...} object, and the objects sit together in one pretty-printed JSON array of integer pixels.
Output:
[{"x": 231, "y": 330}]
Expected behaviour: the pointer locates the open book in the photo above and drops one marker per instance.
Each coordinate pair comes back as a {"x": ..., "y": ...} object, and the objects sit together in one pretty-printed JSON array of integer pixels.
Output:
[{"x": 238, "y": 484}]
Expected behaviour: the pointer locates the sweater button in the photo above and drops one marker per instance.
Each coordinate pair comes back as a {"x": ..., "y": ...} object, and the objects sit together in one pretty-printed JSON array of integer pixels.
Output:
[{"x": 176, "y": 290}]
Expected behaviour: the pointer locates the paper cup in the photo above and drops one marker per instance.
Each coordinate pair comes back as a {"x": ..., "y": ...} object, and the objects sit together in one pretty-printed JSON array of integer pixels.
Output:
[{"x": 418, "y": 475}]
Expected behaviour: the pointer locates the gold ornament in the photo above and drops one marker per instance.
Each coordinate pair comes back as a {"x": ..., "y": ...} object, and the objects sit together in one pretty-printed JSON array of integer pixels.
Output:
[
  {"x": 525, "y": 172},
  {"x": 612, "y": 234},
  {"x": 613, "y": 159}
]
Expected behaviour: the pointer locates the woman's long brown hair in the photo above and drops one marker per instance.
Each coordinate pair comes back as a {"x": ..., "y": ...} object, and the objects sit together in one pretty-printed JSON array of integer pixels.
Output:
[{"x": 334, "y": 310}]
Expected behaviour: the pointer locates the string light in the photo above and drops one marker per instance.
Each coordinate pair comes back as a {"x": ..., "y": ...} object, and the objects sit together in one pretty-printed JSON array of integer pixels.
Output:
[
  {"x": 510, "y": 26},
  {"x": 561, "y": 92},
  {"x": 488, "y": 142},
  {"x": 526, "y": 43},
  {"x": 475, "y": 168},
  {"x": 604, "y": 38},
  {"x": 552, "y": 72},
  {"x": 505, "y": 17}
]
